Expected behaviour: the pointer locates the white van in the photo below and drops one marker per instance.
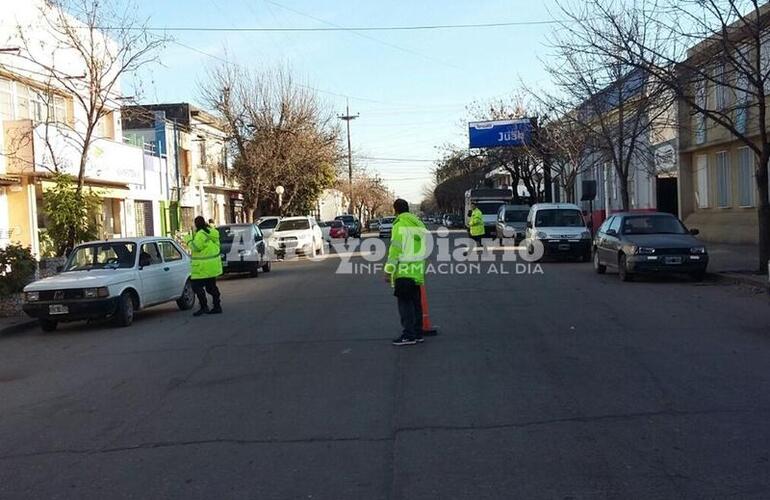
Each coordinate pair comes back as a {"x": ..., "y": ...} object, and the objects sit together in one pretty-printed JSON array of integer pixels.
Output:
[{"x": 560, "y": 228}]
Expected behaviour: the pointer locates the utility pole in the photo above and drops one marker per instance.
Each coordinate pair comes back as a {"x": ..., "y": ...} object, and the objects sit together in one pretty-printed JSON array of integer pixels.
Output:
[{"x": 348, "y": 117}]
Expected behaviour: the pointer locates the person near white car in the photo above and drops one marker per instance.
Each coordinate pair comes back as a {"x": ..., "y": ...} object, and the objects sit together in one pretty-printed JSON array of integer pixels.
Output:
[{"x": 206, "y": 266}]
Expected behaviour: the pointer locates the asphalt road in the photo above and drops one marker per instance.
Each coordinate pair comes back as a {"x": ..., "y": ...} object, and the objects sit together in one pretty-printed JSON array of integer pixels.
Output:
[{"x": 563, "y": 384}]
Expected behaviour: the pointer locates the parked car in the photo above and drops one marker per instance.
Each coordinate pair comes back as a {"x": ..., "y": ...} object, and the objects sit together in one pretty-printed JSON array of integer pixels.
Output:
[
  {"x": 352, "y": 223},
  {"x": 637, "y": 243},
  {"x": 297, "y": 234},
  {"x": 386, "y": 226},
  {"x": 560, "y": 228},
  {"x": 243, "y": 249},
  {"x": 455, "y": 221},
  {"x": 512, "y": 222},
  {"x": 104, "y": 279},
  {"x": 325, "y": 229},
  {"x": 338, "y": 230},
  {"x": 374, "y": 224},
  {"x": 267, "y": 225}
]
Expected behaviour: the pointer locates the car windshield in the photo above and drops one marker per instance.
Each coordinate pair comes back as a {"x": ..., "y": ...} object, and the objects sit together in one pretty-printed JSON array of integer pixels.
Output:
[
  {"x": 489, "y": 208},
  {"x": 268, "y": 224},
  {"x": 119, "y": 255},
  {"x": 559, "y": 217},
  {"x": 292, "y": 225},
  {"x": 227, "y": 234},
  {"x": 326, "y": 223},
  {"x": 347, "y": 219},
  {"x": 388, "y": 220},
  {"x": 336, "y": 223},
  {"x": 652, "y": 224},
  {"x": 516, "y": 215}
]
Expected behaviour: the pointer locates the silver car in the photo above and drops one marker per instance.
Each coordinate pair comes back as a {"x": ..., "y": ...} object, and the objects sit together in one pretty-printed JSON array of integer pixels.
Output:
[{"x": 512, "y": 222}]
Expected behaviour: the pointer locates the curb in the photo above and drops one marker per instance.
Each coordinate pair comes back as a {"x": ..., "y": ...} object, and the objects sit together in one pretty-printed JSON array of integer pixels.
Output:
[
  {"x": 17, "y": 327},
  {"x": 738, "y": 279}
]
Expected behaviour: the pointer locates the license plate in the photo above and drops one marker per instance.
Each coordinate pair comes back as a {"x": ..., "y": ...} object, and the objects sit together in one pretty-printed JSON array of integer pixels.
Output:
[
  {"x": 564, "y": 246},
  {"x": 673, "y": 260},
  {"x": 58, "y": 309}
]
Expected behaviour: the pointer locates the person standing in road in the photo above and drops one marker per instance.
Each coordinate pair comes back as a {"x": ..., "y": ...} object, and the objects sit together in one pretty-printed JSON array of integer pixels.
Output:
[
  {"x": 206, "y": 266},
  {"x": 405, "y": 271},
  {"x": 476, "y": 225}
]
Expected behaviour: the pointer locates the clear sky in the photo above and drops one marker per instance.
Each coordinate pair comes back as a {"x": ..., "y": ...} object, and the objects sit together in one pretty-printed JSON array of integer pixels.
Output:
[{"x": 411, "y": 88}]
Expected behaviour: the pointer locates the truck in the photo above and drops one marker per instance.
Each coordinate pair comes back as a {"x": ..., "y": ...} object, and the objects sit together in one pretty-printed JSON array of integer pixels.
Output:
[{"x": 489, "y": 201}]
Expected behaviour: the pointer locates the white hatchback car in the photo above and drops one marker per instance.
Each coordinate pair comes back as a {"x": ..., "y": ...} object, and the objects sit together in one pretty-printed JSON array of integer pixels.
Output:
[{"x": 112, "y": 279}]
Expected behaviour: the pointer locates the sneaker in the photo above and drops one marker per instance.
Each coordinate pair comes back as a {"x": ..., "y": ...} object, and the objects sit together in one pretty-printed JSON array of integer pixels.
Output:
[
  {"x": 216, "y": 310},
  {"x": 420, "y": 339},
  {"x": 201, "y": 311},
  {"x": 404, "y": 340}
]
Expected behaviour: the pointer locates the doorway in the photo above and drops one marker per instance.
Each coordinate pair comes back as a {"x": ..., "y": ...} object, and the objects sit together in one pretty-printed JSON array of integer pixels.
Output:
[{"x": 667, "y": 195}]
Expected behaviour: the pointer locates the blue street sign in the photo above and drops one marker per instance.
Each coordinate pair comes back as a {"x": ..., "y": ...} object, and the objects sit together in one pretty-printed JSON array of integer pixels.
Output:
[{"x": 500, "y": 133}]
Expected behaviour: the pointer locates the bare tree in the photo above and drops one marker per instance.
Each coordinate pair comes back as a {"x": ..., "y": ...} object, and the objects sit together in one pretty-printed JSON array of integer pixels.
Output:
[
  {"x": 616, "y": 103},
  {"x": 281, "y": 135},
  {"x": 702, "y": 47}
]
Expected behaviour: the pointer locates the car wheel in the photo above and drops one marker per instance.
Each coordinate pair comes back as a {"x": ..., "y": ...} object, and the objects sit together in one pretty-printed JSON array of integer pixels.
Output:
[
  {"x": 124, "y": 316},
  {"x": 187, "y": 300},
  {"x": 266, "y": 267},
  {"x": 48, "y": 325},
  {"x": 623, "y": 269},
  {"x": 598, "y": 266}
]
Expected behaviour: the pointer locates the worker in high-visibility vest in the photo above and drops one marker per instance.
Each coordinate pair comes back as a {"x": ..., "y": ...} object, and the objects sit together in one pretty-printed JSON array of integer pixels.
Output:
[
  {"x": 405, "y": 270},
  {"x": 206, "y": 266},
  {"x": 476, "y": 225}
]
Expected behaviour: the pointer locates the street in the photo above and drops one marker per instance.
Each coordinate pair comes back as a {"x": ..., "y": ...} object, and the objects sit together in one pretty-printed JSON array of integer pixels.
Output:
[{"x": 564, "y": 384}]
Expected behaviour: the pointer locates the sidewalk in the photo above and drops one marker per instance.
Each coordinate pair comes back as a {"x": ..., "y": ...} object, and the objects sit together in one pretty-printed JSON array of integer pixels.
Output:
[{"x": 737, "y": 263}]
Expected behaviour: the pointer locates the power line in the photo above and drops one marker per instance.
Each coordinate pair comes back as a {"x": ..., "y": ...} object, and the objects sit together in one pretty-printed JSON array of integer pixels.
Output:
[{"x": 311, "y": 29}]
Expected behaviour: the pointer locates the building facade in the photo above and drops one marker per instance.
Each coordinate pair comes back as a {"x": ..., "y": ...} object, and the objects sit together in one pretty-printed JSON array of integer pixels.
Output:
[
  {"x": 193, "y": 142},
  {"x": 43, "y": 128}
]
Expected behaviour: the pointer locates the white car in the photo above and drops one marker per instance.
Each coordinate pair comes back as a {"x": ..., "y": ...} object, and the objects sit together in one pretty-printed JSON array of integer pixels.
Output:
[
  {"x": 297, "y": 235},
  {"x": 112, "y": 279},
  {"x": 386, "y": 226},
  {"x": 267, "y": 225}
]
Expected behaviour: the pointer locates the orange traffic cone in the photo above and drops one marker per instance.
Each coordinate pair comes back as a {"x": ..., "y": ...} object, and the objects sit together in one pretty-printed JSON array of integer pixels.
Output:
[{"x": 427, "y": 329}]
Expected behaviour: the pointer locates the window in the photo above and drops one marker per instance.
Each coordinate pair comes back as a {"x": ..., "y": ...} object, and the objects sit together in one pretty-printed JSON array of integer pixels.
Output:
[
  {"x": 6, "y": 100},
  {"x": 700, "y": 118},
  {"x": 150, "y": 251},
  {"x": 559, "y": 217},
  {"x": 723, "y": 180},
  {"x": 170, "y": 252},
  {"x": 702, "y": 174},
  {"x": 605, "y": 225},
  {"x": 720, "y": 90},
  {"x": 38, "y": 106},
  {"x": 102, "y": 256},
  {"x": 653, "y": 224},
  {"x": 741, "y": 103},
  {"x": 764, "y": 61},
  {"x": 22, "y": 102},
  {"x": 745, "y": 177},
  {"x": 59, "y": 109},
  {"x": 615, "y": 224}
]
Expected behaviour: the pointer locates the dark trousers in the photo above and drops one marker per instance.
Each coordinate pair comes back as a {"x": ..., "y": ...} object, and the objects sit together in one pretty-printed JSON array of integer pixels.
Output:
[
  {"x": 200, "y": 287},
  {"x": 409, "y": 306}
]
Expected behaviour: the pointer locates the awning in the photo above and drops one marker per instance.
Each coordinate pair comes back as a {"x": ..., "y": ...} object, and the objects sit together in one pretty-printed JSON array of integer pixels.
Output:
[{"x": 6, "y": 180}]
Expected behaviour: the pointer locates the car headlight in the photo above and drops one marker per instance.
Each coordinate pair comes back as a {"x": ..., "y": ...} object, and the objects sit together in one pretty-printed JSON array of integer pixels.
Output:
[
  {"x": 644, "y": 251},
  {"x": 541, "y": 235},
  {"x": 698, "y": 250},
  {"x": 92, "y": 293},
  {"x": 32, "y": 296}
]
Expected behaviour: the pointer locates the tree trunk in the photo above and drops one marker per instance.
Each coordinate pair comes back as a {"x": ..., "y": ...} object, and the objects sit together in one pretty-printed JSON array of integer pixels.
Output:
[{"x": 763, "y": 210}]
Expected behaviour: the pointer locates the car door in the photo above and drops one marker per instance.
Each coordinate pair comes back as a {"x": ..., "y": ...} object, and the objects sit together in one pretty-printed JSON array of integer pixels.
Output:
[
  {"x": 612, "y": 242},
  {"x": 151, "y": 273},
  {"x": 176, "y": 268},
  {"x": 600, "y": 240}
]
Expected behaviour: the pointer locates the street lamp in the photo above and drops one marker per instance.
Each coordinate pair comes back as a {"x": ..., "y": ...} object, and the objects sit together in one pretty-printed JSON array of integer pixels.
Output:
[{"x": 279, "y": 191}]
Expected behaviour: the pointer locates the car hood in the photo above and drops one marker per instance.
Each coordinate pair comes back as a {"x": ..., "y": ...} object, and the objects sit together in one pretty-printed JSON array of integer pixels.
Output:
[
  {"x": 562, "y": 232},
  {"x": 296, "y": 233},
  {"x": 81, "y": 279},
  {"x": 663, "y": 240},
  {"x": 517, "y": 225}
]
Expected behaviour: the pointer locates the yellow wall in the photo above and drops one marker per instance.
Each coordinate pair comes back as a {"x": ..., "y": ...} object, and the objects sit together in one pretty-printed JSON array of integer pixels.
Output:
[{"x": 19, "y": 213}]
